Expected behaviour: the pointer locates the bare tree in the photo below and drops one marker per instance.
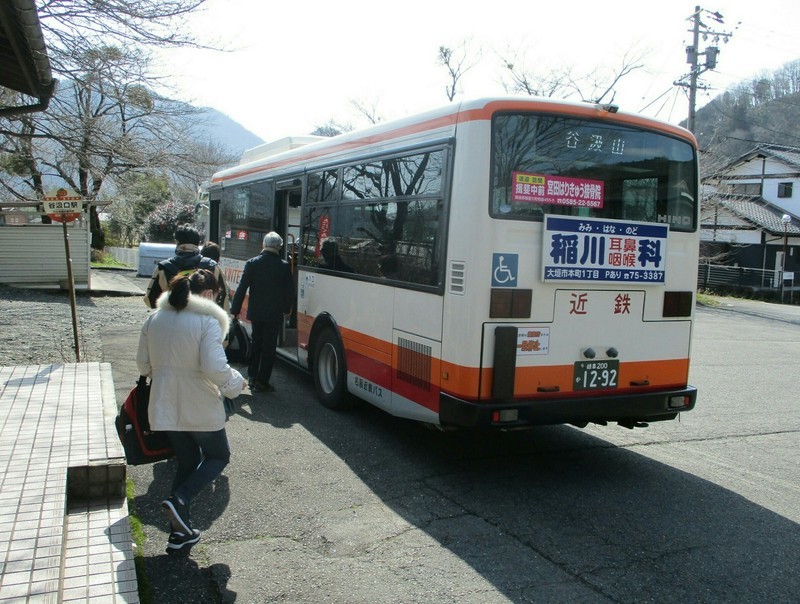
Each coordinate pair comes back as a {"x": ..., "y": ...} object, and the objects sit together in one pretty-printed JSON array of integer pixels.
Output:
[
  {"x": 331, "y": 128},
  {"x": 103, "y": 124},
  {"x": 368, "y": 109},
  {"x": 17, "y": 160},
  {"x": 105, "y": 121},
  {"x": 713, "y": 212},
  {"x": 598, "y": 85},
  {"x": 72, "y": 28},
  {"x": 552, "y": 83},
  {"x": 457, "y": 61}
]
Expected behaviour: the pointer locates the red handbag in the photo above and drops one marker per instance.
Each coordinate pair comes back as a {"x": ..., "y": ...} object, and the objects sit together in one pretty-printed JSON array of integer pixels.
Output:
[{"x": 141, "y": 445}]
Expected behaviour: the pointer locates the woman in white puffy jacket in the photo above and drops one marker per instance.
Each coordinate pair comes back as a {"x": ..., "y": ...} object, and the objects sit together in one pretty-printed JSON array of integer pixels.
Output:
[{"x": 180, "y": 348}]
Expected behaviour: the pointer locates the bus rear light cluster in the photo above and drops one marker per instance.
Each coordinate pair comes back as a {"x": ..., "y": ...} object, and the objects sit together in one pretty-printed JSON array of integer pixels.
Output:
[
  {"x": 505, "y": 416},
  {"x": 678, "y": 304},
  {"x": 679, "y": 402},
  {"x": 508, "y": 303}
]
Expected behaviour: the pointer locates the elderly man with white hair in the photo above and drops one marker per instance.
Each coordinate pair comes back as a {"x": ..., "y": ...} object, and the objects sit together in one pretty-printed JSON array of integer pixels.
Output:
[{"x": 268, "y": 278}]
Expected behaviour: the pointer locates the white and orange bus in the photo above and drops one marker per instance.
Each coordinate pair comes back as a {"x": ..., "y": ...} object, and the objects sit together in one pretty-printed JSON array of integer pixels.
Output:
[{"x": 498, "y": 262}]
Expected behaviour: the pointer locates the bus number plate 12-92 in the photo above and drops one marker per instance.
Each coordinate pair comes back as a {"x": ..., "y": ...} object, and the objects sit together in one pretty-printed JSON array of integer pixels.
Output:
[{"x": 596, "y": 375}]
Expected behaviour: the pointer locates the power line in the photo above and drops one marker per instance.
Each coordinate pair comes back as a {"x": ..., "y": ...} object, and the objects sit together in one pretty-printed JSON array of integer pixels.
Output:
[
  {"x": 666, "y": 92},
  {"x": 674, "y": 100}
]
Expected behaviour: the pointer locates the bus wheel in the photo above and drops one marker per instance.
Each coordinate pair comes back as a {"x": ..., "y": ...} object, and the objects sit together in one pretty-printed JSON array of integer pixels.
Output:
[{"x": 329, "y": 372}]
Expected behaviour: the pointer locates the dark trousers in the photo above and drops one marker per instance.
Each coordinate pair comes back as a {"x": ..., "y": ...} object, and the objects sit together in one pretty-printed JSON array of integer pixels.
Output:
[
  {"x": 201, "y": 457},
  {"x": 262, "y": 352}
]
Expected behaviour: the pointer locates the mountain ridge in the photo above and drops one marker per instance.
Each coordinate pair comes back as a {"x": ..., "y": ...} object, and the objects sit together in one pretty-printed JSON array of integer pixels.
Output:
[{"x": 227, "y": 132}]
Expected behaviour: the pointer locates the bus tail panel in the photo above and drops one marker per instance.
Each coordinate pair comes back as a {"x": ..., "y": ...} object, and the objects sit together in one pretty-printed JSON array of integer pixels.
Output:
[
  {"x": 519, "y": 382},
  {"x": 629, "y": 410}
]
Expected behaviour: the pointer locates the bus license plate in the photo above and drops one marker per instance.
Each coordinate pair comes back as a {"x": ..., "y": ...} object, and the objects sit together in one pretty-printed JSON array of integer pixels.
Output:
[{"x": 595, "y": 375}]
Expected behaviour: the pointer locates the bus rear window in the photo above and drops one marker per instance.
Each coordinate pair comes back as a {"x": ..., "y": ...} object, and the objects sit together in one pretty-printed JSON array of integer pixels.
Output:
[{"x": 557, "y": 165}]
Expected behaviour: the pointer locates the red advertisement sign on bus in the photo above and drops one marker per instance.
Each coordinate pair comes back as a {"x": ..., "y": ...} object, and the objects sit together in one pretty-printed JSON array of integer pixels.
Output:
[
  {"x": 324, "y": 231},
  {"x": 557, "y": 190}
]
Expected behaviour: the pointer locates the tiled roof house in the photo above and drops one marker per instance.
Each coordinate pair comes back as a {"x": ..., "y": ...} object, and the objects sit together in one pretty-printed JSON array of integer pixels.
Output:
[{"x": 751, "y": 211}]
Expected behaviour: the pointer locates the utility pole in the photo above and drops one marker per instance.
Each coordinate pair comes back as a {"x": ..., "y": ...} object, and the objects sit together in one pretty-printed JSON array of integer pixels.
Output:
[{"x": 693, "y": 52}]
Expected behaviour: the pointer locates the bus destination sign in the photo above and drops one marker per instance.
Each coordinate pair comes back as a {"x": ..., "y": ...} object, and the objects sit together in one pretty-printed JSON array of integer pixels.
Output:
[{"x": 598, "y": 250}]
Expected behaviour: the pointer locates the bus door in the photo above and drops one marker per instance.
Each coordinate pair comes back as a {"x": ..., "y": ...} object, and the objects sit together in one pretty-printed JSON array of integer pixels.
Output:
[{"x": 288, "y": 194}]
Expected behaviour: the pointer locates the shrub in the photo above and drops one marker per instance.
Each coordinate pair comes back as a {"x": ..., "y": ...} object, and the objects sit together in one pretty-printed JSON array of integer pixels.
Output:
[{"x": 160, "y": 224}]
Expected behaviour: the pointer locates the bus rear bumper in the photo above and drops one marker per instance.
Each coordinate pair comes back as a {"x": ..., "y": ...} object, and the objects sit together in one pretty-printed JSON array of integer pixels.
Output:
[{"x": 629, "y": 410}]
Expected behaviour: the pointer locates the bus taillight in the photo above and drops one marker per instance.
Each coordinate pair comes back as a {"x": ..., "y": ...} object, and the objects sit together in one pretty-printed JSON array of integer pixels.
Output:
[
  {"x": 510, "y": 303},
  {"x": 505, "y": 415},
  {"x": 679, "y": 402},
  {"x": 677, "y": 304}
]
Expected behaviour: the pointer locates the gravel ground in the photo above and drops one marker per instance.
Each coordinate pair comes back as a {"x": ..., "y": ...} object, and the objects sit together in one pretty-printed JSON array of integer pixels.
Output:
[{"x": 37, "y": 324}]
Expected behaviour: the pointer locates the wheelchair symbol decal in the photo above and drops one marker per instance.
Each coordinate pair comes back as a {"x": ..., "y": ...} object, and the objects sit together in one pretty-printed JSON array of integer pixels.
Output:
[{"x": 504, "y": 270}]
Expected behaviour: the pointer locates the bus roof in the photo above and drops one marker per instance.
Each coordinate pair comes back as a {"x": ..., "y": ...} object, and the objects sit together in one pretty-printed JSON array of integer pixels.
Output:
[
  {"x": 287, "y": 143},
  {"x": 436, "y": 124}
]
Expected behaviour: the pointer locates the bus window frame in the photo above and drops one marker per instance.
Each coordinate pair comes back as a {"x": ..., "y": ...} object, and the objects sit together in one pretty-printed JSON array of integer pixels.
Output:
[
  {"x": 495, "y": 215},
  {"x": 447, "y": 147},
  {"x": 223, "y": 195}
]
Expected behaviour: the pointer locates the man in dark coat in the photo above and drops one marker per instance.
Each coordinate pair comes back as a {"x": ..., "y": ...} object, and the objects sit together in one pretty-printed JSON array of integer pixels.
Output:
[
  {"x": 187, "y": 259},
  {"x": 269, "y": 280}
]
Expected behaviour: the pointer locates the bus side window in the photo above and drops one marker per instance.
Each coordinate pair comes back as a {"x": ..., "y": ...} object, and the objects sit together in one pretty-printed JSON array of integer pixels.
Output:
[{"x": 317, "y": 221}]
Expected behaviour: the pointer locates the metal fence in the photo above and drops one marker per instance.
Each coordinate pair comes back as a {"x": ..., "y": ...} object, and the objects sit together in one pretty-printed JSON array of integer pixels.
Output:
[{"x": 745, "y": 280}]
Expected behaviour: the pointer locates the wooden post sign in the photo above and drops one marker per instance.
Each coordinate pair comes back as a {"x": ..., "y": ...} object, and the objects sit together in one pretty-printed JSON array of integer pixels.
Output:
[{"x": 64, "y": 208}]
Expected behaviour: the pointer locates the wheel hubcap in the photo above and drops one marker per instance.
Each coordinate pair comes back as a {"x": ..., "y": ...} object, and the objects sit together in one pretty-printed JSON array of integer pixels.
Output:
[{"x": 328, "y": 369}]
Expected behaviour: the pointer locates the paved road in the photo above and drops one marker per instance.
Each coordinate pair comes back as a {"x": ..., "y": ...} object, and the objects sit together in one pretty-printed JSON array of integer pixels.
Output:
[{"x": 359, "y": 507}]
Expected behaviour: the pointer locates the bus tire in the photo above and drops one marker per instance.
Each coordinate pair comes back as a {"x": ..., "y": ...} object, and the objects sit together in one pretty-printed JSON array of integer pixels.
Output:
[{"x": 330, "y": 372}]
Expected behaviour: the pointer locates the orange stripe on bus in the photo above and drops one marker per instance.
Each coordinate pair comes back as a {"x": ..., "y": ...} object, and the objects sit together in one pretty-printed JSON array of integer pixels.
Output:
[
  {"x": 475, "y": 383},
  {"x": 352, "y": 340},
  {"x": 431, "y": 124},
  {"x": 587, "y": 111},
  {"x": 359, "y": 346},
  {"x": 641, "y": 375},
  {"x": 304, "y": 324},
  {"x": 468, "y": 115},
  {"x": 362, "y": 340}
]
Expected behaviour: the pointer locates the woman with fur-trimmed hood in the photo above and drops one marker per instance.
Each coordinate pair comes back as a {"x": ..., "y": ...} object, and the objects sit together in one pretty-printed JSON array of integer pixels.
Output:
[{"x": 180, "y": 348}]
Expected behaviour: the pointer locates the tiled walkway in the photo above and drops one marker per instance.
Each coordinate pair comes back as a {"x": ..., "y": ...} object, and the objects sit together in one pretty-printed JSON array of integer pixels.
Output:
[{"x": 64, "y": 529}]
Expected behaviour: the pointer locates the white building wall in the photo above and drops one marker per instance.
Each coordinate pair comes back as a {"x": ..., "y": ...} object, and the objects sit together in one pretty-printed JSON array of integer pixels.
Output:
[
  {"x": 774, "y": 173},
  {"x": 35, "y": 254}
]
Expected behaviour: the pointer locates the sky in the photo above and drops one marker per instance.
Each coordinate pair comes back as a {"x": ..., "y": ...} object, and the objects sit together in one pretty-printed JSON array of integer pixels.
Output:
[{"x": 290, "y": 67}]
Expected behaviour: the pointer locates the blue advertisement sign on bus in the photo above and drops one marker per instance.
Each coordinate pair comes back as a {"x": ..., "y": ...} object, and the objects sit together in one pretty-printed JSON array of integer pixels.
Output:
[{"x": 616, "y": 251}]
